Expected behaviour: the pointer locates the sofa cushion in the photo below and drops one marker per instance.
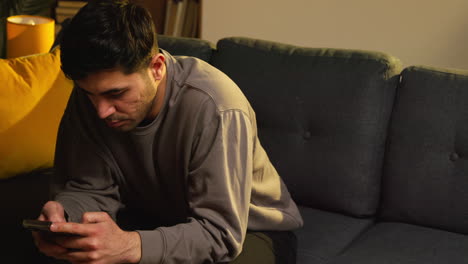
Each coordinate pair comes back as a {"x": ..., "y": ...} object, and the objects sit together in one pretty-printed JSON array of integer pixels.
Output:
[
  {"x": 201, "y": 49},
  {"x": 322, "y": 117},
  {"x": 396, "y": 243},
  {"x": 325, "y": 235},
  {"x": 426, "y": 168},
  {"x": 26, "y": 80},
  {"x": 32, "y": 100}
]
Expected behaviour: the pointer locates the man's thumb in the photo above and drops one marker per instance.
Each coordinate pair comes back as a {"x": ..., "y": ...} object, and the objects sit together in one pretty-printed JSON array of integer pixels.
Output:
[{"x": 54, "y": 212}]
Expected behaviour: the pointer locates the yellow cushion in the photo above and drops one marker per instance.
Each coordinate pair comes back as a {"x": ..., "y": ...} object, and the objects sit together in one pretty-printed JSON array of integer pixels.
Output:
[{"x": 33, "y": 96}]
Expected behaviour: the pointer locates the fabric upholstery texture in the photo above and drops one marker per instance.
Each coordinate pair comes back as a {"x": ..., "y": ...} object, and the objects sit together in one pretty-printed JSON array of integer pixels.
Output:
[
  {"x": 201, "y": 49},
  {"x": 26, "y": 80},
  {"x": 326, "y": 234},
  {"x": 425, "y": 181},
  {"x": 397, "y": 243},
  {"x": 322, "y": 117},
  {"x": 32, "y": 100}
]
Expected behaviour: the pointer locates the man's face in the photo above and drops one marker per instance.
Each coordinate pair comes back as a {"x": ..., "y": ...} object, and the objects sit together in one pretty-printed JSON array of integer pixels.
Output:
[{"x": 122, "y": 100}]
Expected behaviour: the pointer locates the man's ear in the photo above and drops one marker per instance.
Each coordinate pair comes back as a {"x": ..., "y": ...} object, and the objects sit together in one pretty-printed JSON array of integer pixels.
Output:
[{"x": 158, "y": 66}]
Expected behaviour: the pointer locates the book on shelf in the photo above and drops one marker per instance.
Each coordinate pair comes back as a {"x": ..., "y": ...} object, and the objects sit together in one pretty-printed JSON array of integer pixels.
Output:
[
  {"x": 60, "y": 18},
  {"x": 180, "y": 17},
  {"x": 175, "y": 14},
  {"x": 190, "y": 25},
  {"x": 66, "y": 11},
  {"x": 171, "y": 11},
  {"x": 71, "y": 4}
]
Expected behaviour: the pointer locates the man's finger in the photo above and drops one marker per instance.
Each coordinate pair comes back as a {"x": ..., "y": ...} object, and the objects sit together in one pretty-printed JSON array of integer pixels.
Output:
[
  {"x": 53, "y": 211},
  {"x": 71, "y": 228},
  {"x": 53, "y": 250},
  {"x": 77, "y": 256},
  {"x": 46, "y": 247},
  {"x": 95, "y": 217},
  {"x": 74, "y": 243}
]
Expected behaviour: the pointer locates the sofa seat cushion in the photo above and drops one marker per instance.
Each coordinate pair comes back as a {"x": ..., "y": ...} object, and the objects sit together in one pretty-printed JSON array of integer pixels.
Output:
[
  {"x": 398, "y": 243},
  {"x": 325, "y": 234}
]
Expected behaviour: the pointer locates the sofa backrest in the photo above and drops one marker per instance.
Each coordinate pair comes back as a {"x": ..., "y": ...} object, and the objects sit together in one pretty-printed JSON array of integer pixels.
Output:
[
  {"x": 201, "y": 49},
  {"x": 426, "y": 168},
  {"x": 322, "y": 117}
]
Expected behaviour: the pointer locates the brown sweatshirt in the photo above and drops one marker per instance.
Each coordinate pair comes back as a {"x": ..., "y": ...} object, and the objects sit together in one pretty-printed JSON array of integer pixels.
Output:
[{"x": 198, "y": 170}]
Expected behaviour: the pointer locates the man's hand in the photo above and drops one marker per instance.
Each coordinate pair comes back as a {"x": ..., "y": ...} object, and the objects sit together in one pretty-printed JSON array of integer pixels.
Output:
[
  {"x": 52, "y": 211},
  {"x": 98, "y": 240}
]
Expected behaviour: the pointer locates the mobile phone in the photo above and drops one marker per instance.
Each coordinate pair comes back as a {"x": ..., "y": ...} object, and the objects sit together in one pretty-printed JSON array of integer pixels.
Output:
[
  {"x": 37, "y": 225},
  {"x": 43, "y": 226}
]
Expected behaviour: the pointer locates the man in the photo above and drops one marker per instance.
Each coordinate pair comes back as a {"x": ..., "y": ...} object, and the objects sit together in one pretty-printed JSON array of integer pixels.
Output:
[{"x": 167, "y": 147}]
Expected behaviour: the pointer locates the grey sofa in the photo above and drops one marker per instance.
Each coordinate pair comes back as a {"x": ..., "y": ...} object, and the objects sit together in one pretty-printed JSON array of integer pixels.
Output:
[{"x": 373, "y": 154}]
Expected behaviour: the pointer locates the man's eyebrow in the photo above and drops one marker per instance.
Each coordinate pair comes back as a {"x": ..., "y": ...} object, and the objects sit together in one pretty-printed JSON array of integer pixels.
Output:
[
  {"x": 114, "y": 90},
  {"x": 85, "y": 91},
  {"x": 110, "y": 91}
]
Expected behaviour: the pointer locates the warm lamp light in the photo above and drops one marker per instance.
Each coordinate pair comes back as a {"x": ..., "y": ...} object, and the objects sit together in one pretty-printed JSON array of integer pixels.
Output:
[{"x": 28, "y": 35}]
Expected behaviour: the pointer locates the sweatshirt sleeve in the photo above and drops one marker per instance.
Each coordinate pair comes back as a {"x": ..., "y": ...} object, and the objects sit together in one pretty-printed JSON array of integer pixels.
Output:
[
  {"x": 82, "y": 180},
  {"x": 219, "y": 189}
]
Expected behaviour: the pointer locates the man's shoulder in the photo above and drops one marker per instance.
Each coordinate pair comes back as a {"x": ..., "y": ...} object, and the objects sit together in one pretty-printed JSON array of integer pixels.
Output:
[{"x": 202, "y": 81}]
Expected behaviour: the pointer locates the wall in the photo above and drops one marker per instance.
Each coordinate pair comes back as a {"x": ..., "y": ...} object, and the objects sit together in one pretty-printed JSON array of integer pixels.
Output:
[{"x": 429, "y": 32}]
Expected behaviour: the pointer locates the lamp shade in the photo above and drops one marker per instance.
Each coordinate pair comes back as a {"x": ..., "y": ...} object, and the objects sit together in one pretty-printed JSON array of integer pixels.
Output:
[{"x": 28, "y": 35}]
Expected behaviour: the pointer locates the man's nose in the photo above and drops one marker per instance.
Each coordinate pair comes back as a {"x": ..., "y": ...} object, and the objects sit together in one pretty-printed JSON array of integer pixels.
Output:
[{"x": 104, "y": 108}]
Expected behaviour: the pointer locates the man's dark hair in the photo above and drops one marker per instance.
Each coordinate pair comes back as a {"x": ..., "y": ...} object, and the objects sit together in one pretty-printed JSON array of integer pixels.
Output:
[{"x": 108, "y": 34}]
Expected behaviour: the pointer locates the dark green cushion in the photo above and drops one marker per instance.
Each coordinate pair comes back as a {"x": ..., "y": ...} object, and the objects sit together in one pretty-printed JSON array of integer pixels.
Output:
[
  {"x": 426, "y": 170},
  {"x": 201, "y": 49}
]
